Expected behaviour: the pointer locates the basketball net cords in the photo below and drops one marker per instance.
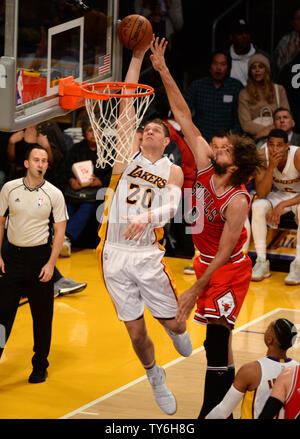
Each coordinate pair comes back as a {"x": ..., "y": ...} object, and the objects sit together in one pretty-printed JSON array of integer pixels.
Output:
[{"x": 115, "y": 140}]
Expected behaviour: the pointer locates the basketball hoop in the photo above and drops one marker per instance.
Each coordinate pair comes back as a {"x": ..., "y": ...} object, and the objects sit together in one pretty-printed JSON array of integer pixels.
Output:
[{"x": 114, "y": 131}]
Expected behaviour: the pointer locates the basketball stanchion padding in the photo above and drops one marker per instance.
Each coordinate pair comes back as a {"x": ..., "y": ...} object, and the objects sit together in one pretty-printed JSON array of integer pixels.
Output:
[{"x": 115, "y": 109}]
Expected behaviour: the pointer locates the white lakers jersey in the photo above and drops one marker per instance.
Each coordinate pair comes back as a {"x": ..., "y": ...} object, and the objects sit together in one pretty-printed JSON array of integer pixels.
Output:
[
  {"x": 289, "y": 179},
  {"x": 254, "y": 400},
  {"x": 137, "y": 191}
]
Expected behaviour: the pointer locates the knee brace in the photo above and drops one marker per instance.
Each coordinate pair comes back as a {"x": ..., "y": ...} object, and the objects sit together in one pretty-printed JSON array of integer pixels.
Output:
[{"x": 216, "y": 346}]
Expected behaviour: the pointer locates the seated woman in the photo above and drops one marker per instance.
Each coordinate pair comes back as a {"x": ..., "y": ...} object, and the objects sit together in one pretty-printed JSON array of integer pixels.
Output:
[
  {"x": 47, "y": 134},
  {"x": 260, "y": 97}
]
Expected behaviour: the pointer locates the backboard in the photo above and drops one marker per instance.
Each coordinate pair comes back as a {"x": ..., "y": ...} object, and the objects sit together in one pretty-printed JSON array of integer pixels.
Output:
[{"x": 42, "y": 41}]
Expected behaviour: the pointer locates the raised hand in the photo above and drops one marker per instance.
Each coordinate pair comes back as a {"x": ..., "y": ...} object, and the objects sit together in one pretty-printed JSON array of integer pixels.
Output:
[
  {"x": 158, "y": 49},
  {"x": 186, "y": 304}
]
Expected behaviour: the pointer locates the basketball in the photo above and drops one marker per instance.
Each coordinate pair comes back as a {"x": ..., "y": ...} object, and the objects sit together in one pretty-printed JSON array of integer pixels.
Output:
[{"x": 135, "y": 31}]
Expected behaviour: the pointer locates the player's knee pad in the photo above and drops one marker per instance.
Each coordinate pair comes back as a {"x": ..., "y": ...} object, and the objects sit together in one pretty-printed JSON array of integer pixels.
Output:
[{"x": 216, "y": 345}]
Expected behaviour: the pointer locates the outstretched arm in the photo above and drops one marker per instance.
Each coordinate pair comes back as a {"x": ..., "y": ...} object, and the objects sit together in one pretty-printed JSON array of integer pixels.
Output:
[
  {"x": 126, "y": 118},
  {"x": 179, "y": 107}
]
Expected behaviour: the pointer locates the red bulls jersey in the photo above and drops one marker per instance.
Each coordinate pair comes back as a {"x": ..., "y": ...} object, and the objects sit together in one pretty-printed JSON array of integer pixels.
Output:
[
  {"x": 292, "y": 405},
  {"x": 209, "y": 212}
]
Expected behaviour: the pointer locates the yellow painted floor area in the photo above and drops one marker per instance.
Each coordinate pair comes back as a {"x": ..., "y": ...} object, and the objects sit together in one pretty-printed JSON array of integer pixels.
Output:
[{"x": 91, "y": 354}]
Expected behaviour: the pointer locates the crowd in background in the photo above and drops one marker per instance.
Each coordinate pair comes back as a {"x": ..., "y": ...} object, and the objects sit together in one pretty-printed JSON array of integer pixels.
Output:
[{"x": 246, "y": 91}]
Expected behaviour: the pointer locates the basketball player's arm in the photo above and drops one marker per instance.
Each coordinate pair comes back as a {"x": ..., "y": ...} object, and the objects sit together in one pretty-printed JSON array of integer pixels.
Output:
[
  {"x": 161, "y": 215},
  {"x": 197, "y": 144},
  {"x": 132, "y": 75},
  {"x": 58, "y": 239},
  {"x": 247, "y": 378},
  {"x": 264, "y": 176},
  {"x": 277, "y": 211},
  {"x": 236, "y": 214},
  {"x": 2, "y": 229}
]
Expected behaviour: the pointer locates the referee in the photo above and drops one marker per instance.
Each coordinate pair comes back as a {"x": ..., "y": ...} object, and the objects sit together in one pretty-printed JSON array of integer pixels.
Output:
[{"x": 30, "y": 205}]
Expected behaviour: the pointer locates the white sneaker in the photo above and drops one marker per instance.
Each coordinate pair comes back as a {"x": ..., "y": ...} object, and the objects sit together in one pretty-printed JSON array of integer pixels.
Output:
[
  {"x": 189, "y": 270},
  {"x": 181, "y": 342},
  {"x": 164, "y": 398},
  {"x": 293, "y": 278},
  {"x": 261, "y": 270},
  {"x": 66, "y": 248}
]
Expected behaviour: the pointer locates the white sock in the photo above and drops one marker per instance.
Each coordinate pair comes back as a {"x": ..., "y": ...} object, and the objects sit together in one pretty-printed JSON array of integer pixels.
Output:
[
  {"x": 260, "y": 207},
  {"x": 152, "y": 371},
  {"x": 297, "y": 258}
]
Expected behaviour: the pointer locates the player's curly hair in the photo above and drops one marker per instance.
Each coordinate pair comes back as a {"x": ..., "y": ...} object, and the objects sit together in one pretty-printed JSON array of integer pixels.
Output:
[{"x": 245, "y": 157}]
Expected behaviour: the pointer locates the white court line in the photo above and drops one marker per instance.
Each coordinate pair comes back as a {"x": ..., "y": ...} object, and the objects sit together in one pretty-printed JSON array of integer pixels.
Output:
[{"x": 132, "y": 383}]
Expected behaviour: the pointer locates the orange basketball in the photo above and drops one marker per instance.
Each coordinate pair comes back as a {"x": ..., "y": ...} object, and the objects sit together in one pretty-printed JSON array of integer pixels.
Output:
[{"x": 135, "y": 31}]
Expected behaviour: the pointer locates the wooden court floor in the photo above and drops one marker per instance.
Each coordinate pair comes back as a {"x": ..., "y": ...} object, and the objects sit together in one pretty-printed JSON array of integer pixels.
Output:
[{"x": 93, "y": 372}]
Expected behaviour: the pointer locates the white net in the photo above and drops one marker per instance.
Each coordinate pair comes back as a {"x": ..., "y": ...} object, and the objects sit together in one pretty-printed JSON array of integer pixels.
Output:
[{"x": 115, "y": 121}]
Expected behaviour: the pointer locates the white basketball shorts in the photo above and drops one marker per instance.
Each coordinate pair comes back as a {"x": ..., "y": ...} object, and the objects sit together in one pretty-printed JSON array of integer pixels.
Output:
[{"x": 137, "y": 277}]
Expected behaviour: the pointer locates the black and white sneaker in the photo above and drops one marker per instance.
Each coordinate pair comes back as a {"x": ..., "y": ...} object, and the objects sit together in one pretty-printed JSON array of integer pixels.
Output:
[{"x": 68, "y": 286}]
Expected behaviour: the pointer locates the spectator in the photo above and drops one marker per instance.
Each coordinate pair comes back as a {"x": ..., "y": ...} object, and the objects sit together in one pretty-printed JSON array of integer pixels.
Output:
[
  {"x": 260, "y": 98},
  {"x": 213, "y": 99},
  {"x": 253, "y": 381},
  {"x": 289, "y": 45},
  {"x": 283, "y": 120},
  {"x": 278, "y": 191},
  {"x": 241, "y": 49},
  {"x": 285, "y": 393},
  {"x": 46, "y": 134},
  {"x": 290, "y": 79},
  {"x": 81, "y": 201},
  {"x": 165, "y": 15}
]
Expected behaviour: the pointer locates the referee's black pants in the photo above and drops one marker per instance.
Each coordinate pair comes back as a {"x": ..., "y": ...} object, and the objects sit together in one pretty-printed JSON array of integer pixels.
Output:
[{"x": 21, "y": 279}]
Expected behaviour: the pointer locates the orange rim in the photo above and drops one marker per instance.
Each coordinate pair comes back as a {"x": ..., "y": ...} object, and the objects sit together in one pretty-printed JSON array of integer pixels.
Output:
[
  {"x": 73, "y": 94},
  {"x": 96, "y": 90}
]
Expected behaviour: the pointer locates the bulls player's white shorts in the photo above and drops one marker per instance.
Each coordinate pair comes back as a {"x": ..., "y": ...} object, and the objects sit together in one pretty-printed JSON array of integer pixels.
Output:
[{"x": 135, "y": 277}]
